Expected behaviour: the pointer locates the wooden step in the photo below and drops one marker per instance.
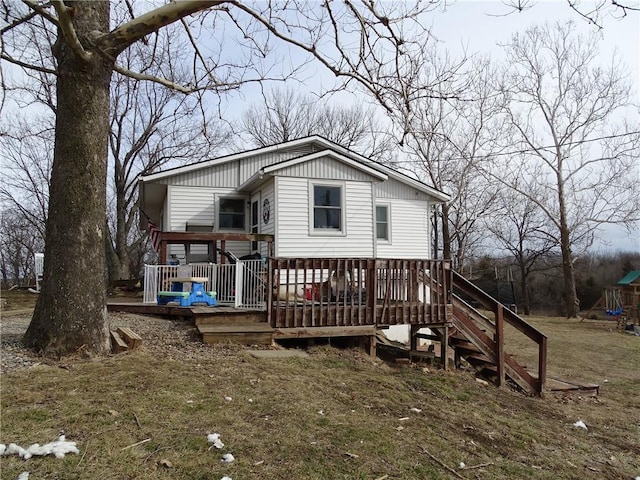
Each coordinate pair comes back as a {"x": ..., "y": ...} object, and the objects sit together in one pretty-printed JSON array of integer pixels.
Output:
[
  {"x": 253, "y": 333},
  {"x": 478, "y": 358},
  {"x": 466, "y": 349},
  {"x": 227, "y": 316}
]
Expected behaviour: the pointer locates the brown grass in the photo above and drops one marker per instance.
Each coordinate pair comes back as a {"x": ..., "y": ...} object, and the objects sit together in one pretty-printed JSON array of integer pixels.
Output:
[{"x": 336, "y": 415}]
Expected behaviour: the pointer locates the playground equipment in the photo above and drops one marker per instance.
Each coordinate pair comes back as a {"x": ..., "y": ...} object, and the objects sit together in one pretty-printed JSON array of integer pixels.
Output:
[
  {"x": 621, "y": 301},
  {"x": 613, "y": 302}
]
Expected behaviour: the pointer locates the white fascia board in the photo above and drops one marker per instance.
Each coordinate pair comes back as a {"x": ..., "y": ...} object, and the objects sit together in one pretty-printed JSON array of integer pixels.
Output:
[
  {"x": 237, "y": 156},
  {"x": 326, "y": 153},
  {"x": 418, "y": 185},
  {"x": 441, "y": 197}
]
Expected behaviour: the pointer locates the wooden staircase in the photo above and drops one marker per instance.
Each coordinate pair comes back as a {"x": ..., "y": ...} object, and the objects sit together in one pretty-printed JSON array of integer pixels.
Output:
[
  {"x": 479, "y": 340},
  {"x": 233, "y": 326}
]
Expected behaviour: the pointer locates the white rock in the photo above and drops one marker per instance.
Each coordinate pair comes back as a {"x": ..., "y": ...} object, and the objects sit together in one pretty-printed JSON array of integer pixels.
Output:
[
  {"x": 228, "y": 399},
  {"x": 580, "y": 424},
  {"x": 23, "y": 476},
  {"x": 463, "y": 465},
  {"x": 3, "y": 448},
  {"x": 228, "y": 458},
  {"x": 416, "y": 410}
]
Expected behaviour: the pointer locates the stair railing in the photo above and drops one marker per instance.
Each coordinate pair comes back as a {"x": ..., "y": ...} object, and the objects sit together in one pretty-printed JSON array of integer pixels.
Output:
[{"x": 505, "y": 315}]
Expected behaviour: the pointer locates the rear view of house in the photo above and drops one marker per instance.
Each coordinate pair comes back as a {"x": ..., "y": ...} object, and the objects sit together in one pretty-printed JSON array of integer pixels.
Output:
[
  {"x": 315, "y": 198},
  {"x": 348, "y": 244}
]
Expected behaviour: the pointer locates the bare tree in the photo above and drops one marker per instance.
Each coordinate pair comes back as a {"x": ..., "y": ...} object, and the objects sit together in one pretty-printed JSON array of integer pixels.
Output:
[
  {"x": 151, "y": 127},
  {"x": 519, "y": 227},
  {"x": 71, "y": 310},
  {"x": 19, "y": 241},
  {"x": 287, "y": 114},
  {"x": 26, "y": 169},
  {"x": 564, "y": 110},
  {"x": 448, "y": 135}
]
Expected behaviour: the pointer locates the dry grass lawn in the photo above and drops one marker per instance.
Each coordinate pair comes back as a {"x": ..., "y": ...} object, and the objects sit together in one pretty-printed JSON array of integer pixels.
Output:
[{"x": 336, "y": 415}]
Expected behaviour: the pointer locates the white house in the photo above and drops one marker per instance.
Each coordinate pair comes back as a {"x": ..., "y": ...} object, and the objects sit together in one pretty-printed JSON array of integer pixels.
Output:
[{"x": 316, "y": 198}]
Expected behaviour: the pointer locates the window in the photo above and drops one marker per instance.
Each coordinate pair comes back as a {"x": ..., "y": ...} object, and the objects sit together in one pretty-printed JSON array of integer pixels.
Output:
[
  {"x": 382, "y": 222},
  {"x": 327, "y": 207},
  {"x": 254, "y": 223},
  {"x": 231, "y": 214}
]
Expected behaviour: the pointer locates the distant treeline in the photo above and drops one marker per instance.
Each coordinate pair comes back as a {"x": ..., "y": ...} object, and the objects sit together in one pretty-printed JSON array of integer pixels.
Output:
[{"x": 502, "y": 280}]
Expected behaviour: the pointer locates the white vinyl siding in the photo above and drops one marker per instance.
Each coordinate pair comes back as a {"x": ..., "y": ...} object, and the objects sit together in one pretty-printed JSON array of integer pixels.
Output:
[
  {"x": 293, "y": 222},
  {"x": 410, "y": 227},
  {"x": 198, "y": 205}
]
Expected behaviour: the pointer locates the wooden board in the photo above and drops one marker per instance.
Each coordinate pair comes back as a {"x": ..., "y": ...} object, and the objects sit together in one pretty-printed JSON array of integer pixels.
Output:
[
  {"x": 132, "y": 339},
  {"x": 118, "y": 345},
  {"x": 322, "y": 332}
]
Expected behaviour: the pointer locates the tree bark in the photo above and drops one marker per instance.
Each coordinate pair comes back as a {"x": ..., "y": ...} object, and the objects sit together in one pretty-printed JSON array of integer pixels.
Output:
[
  {"x": 71, "y": 313},
  {"x": 446, "y": 234}
]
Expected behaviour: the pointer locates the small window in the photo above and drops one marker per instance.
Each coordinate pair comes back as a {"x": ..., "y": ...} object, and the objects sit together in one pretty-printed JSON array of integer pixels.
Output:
[
  {"x": 327, "y": 207},
  {"x": 382, "y": 222},
  {"x": 232, "y": 213}
]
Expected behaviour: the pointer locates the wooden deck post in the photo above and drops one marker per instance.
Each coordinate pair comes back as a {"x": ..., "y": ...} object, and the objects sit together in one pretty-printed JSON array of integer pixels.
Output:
[
  {"x": 499, "y": 339},
  {"x": 542, "y": 365},
  {"x": 444, "y": 348}
]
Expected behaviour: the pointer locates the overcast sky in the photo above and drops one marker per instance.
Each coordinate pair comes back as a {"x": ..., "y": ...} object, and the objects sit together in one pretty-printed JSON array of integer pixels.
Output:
[{"x": 480, "y": 26}]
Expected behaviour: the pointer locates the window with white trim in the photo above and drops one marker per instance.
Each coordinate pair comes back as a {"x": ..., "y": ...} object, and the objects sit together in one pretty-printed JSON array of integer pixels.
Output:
[
  {"x": 382, "y": 223},
  {"x": 231, "y": 214},
  {"x": 328, "y": 208}
]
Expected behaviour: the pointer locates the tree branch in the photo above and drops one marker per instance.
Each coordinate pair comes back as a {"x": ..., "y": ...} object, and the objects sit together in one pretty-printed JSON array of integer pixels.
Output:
[
  {"x": 66, "y": 25},
  {"x": 38, "y": 9},
  {"x": 152, "y": 78},
  {"x": 10, "y": 59},
  {"x": 125, "y": 35}
]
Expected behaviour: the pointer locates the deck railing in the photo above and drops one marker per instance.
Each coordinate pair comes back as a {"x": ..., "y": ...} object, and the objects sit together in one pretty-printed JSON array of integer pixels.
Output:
[
  {"x": 325, "y": 292},
  {"x": 241, "y": 285}
]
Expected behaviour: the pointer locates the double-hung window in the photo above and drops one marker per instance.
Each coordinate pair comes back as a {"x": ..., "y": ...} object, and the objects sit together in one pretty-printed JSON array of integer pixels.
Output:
[
  {"x": 382, "y": 223},
  {"x": 328, "y": 208},
  {"x": 231, "y": 215}
]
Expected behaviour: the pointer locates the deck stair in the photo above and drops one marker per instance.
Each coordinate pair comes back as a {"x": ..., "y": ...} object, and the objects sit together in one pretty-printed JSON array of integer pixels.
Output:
[
  {"x": 478, "y": 339},
  {"x": 233, "y": 326}
]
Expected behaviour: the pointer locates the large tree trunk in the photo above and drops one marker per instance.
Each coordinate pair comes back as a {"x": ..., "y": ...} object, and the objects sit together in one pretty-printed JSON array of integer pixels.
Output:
[
  {"x": 71, "y": 313},
  {"x": 570, "y": 295}
]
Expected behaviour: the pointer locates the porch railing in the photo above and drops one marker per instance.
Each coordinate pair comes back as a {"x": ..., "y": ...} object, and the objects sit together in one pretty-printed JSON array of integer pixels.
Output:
[
  {"x": 321, "y": 292},
  {"x": 241, "y": 285}
]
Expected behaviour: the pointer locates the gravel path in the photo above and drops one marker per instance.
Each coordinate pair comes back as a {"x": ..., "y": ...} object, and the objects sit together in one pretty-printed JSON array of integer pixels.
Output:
[{"x": 162, "y": 337}]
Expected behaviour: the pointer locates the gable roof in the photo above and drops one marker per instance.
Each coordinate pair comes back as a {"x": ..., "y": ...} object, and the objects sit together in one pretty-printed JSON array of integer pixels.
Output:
[
  {"x": 327, "y": 147},
  {"x": 629, "y": 278},
  {"x": 276, "y": 167}
]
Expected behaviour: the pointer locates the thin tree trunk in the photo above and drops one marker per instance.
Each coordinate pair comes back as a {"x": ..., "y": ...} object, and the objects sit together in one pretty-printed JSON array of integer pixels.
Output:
[
  {"x": 524, "y": 288},
  {"x": 71, "y": 313},
  {"x": 446, "y": 235},
  {"x": 122, "y": 250}
]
